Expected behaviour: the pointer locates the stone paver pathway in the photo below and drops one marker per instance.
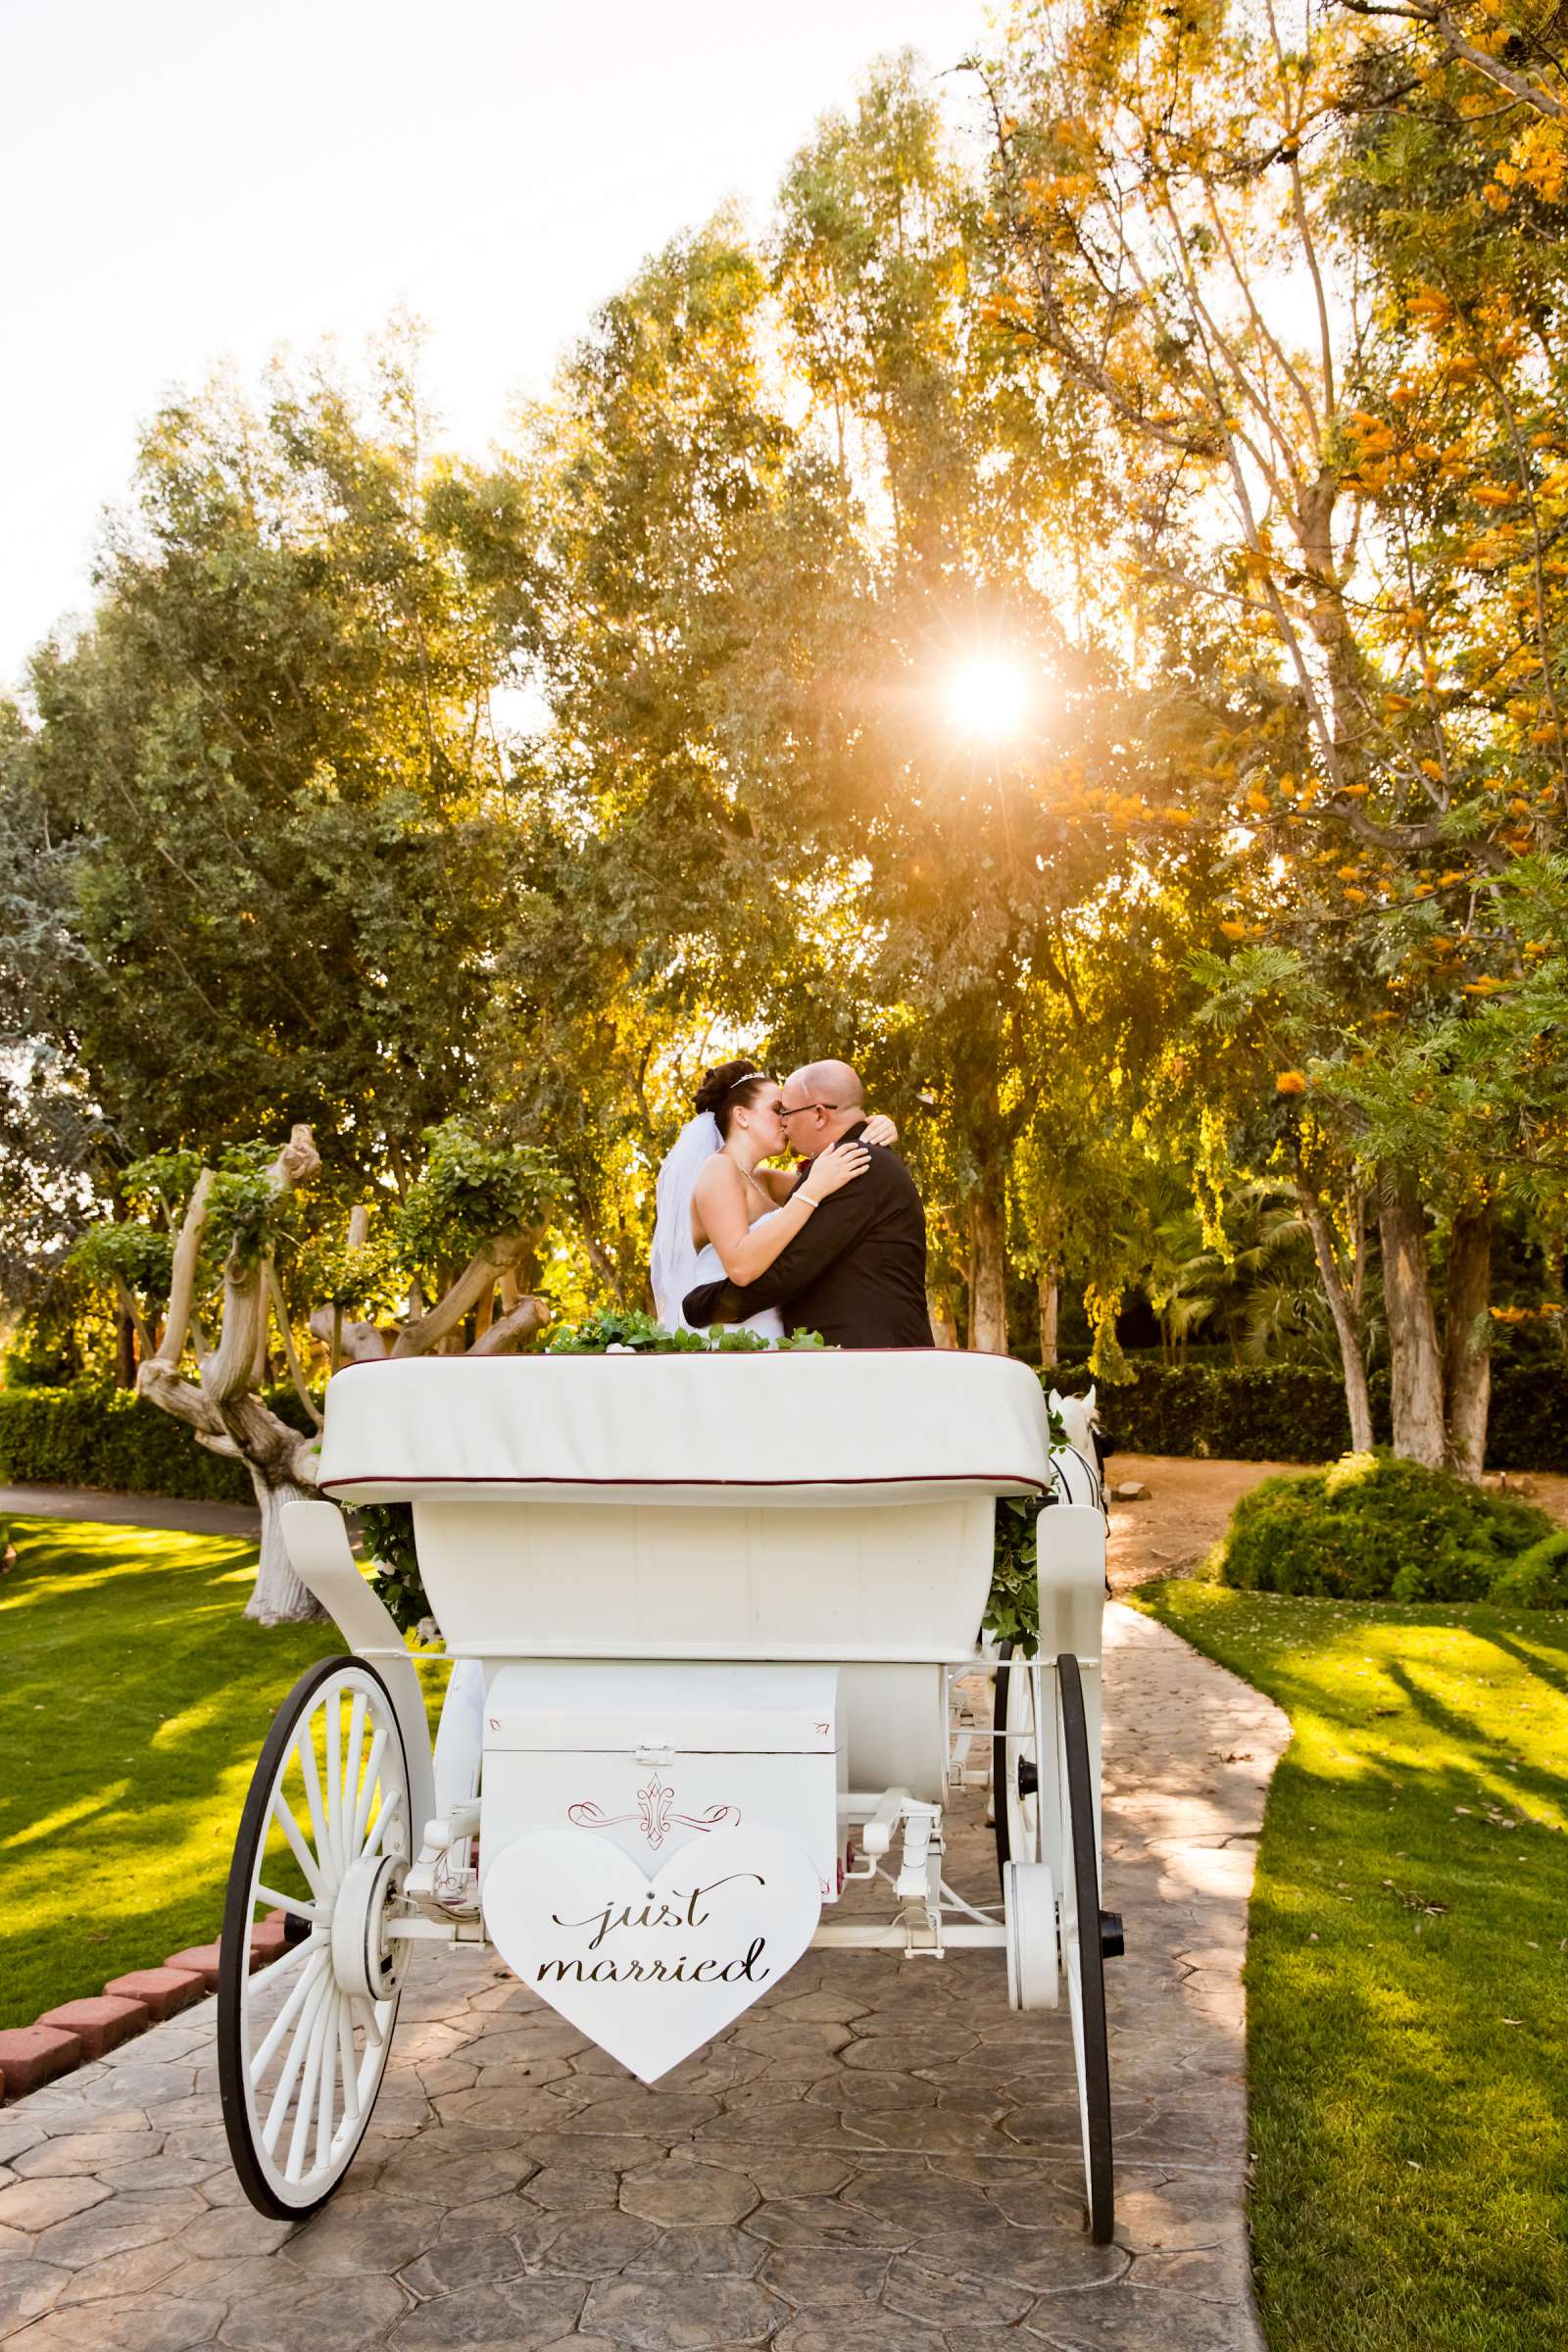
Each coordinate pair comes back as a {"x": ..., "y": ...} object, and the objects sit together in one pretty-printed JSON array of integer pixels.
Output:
[{"x": 878, "y": 2158}]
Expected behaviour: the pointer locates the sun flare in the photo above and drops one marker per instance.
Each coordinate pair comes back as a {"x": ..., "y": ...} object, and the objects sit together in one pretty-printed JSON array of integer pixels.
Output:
[{"x": 988, "y": 695}]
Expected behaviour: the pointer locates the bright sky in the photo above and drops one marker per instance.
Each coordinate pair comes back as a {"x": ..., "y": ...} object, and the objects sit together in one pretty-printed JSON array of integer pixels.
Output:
[{"x": 187, "y": 182}]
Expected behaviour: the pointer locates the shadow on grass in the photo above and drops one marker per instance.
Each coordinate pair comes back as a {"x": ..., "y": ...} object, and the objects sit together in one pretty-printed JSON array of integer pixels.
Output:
[{"x": 1556, "y": 1677}]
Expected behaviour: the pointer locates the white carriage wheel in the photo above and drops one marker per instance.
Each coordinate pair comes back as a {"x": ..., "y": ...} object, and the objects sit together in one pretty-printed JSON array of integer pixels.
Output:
[
  {"x": 1015, "y": 1761},
  {"x": 302, "y": 2042}
]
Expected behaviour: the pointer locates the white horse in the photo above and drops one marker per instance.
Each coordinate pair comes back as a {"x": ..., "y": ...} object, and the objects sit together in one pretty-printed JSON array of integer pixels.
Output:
[{"x": 1077, "y": 1466}]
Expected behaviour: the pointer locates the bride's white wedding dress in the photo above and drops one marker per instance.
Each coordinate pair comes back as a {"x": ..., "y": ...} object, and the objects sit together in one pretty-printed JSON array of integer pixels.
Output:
[
  {"x": 770, "y": 1324},
  {"x": 675, "y": 1264}
]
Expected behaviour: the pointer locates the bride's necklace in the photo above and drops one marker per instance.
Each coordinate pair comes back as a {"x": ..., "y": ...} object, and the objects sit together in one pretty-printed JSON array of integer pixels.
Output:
[{"x": 760, "y": 1190}]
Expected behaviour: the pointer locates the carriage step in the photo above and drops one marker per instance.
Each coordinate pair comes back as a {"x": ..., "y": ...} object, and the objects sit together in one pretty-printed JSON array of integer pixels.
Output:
[{"x": 1112, "y": 1940}]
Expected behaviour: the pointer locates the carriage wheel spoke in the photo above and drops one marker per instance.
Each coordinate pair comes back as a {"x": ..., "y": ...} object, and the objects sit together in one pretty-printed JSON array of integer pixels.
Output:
[
  {"x": 349, "y": 2064},
  {"x": 350, "y": 1777},
  {"x": 321, "y": 1965},
  {"x": 323, "y": 2104},
  {"x": 334, "y": 1782},
  {"x": 285, "y": 1902},
  {"x": 304, "y": 2027},
  {"x": 283, "y": 1814},
  {"x": 304, "y": 2106},
  {"x": 305, "y": 1749},
  {"x": 274, "y": 1969},
  {"x": 367, "y": 1791},
  {"x": 392, "y": 1805}
]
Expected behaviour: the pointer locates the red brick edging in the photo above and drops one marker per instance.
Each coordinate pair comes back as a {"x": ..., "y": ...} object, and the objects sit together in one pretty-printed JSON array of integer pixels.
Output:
[{"x": 78, "y": 2031}]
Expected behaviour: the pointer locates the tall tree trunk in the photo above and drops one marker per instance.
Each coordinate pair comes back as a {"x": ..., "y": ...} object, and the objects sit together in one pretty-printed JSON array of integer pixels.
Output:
[
  {"x": 1357, "y": 1399},
  {"x": 1049, "y": 1287},
  {"x": 943, "y": 1328},
  {"x": 1467, "y": 1352},
  {"x": 987, "y": 1278},
  {"x": 124, "y": 1350},
  {"x": 279, "y": 1599},
  {"x": 1414, "y": 1356}
]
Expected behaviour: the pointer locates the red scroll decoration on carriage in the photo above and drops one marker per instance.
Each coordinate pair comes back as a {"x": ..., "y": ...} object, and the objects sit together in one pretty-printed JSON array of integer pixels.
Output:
[{"x": 655, "y": 1815}]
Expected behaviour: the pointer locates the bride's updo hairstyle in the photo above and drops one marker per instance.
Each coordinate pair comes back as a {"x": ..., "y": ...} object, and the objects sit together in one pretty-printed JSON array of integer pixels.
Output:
[{"x": 726, "y": 1089}]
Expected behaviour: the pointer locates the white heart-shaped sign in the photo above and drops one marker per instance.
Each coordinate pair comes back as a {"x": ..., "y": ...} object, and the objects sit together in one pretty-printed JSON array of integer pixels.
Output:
[{"x": 651, "y": 1966}]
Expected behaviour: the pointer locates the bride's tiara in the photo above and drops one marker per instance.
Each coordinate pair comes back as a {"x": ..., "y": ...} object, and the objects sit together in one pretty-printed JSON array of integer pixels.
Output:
[{"x": 750, "y": 1079}]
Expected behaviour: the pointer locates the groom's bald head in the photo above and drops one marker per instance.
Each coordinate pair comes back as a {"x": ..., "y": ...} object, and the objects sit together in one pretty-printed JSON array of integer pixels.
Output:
[
  {"x": 825, "y": 1098},
  {"x": 831, "y": 1082}
]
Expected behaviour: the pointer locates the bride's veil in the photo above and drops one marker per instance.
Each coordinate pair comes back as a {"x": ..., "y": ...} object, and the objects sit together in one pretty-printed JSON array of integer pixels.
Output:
[{"x": 672, "y": 1260}]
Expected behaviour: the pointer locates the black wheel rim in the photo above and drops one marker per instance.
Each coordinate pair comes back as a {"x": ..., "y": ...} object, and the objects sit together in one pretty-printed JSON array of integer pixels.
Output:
[{"x": 1098, "y": 2153}]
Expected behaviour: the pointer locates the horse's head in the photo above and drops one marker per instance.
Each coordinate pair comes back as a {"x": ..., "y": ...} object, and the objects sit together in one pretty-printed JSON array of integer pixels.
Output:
[{"x": 1080, "y": 1418}]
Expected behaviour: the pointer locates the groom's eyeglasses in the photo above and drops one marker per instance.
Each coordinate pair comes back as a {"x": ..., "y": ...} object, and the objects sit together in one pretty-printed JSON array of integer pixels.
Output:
[{"x": 800, "y": 1106}]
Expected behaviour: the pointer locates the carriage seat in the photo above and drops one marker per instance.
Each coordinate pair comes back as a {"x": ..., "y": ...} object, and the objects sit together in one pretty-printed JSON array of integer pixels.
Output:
[{"x": 862, "y": 1427}]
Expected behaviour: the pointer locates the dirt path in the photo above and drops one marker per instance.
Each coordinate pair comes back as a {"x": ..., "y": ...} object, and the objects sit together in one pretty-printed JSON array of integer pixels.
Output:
[{"x": 1190, "y": 1502}]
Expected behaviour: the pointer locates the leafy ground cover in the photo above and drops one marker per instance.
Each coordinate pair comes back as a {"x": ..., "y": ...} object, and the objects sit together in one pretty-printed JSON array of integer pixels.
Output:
[
  {"x": 1408, "y": 1974},
  {"x": 133, "y": 1700}
]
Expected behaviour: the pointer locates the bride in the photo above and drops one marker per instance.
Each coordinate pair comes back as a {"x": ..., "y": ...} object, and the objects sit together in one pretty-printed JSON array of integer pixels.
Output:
[{"x": 720, "y": 1211}]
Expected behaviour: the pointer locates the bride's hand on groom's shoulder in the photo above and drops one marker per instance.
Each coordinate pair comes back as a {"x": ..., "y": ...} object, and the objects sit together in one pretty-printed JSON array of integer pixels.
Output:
[
  {"x": 832, "y": 1170},
  {"x": 879, "y": 1129}
]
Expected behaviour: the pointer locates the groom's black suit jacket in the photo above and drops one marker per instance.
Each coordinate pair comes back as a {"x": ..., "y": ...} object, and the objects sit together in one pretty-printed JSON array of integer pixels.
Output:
[{"x": 855, "y": 1271}]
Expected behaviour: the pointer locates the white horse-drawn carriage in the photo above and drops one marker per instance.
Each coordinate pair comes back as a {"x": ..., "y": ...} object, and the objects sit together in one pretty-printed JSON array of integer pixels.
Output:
[{"x": 704, "y": 1611}]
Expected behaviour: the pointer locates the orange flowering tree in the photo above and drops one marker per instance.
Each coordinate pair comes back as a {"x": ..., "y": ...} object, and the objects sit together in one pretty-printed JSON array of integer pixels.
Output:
[{"x": 1317, "y": 325}]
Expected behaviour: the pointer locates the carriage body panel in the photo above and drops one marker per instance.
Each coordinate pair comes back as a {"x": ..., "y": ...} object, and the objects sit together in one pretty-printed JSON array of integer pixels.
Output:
[{"x": 729, "y": 1577}]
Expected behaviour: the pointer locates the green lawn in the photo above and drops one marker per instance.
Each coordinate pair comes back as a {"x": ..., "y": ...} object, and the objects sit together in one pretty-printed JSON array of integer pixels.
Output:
[
  {"x": 1407, "y": 1976},
  {"x": 133, "y": 1700}
]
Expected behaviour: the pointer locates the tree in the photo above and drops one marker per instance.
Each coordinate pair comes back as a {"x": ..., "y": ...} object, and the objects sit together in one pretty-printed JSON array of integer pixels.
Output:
[
  {"x": 220, "y": 1246},
  {"x": 984, "y": 870},
  {"x": 1510, "y": 49},
  {"x": 273, "y": 845},
  {"x": 1170, "y": 197}
]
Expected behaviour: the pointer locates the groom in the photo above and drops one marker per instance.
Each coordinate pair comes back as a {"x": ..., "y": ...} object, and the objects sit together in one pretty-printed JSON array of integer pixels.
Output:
[{"x": 856, "y": 1272}]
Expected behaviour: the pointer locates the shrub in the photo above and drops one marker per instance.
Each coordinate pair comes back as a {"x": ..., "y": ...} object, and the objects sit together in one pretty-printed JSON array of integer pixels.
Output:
[
  {"x": 1372, "y": 1528},
  {"x": 88, "y": 1435},
  {"x": 1538, "y": 1579}
]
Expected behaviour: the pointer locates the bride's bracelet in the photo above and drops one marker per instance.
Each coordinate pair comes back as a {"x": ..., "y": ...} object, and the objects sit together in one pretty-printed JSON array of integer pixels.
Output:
[{"x": 811, "y": 1199}]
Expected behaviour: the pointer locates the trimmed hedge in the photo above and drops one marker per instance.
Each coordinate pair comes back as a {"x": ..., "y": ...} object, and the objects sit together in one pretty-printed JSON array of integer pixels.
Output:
[
  {"x": 1296, "y": 1413},
  {"x": 92, "y": 1437}
]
